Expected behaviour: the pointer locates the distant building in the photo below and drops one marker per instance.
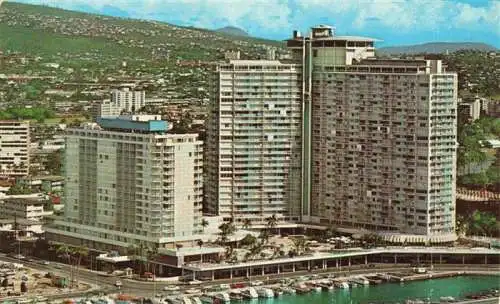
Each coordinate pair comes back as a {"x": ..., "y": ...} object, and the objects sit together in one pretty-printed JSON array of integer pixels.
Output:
[
  {"x": 123, "y": 100},
  {"x": 28, "y": 207},
  {"x": 494, "y": 108},
  {"x": 128, "y": 181},
  {"x": 50, "y": 183},
  {"x": 232, "y": 55},
  {"x": 469, "y": 110},
  {"x": 14, "y": 148}
]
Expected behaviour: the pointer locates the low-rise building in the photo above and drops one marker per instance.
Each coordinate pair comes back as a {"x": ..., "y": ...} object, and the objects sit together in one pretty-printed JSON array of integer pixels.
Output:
[
  {"x": 49, "y": 183},
  {"x": 28, "y": 207}
]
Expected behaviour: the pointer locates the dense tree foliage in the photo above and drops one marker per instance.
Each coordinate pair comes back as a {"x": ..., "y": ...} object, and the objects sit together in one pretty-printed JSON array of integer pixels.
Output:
[
  {"x": 18, "y": 189},
  {"x": 471, "y": 152},
  {"x": 37, "y": 113}
]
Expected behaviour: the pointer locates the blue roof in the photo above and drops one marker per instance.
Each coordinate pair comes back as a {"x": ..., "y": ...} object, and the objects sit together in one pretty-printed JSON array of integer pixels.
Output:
[{"x": 132, "y": 125}]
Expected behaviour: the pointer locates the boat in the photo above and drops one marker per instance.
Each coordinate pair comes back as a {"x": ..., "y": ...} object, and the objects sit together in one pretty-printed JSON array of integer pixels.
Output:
[
  {"x": 206, "y": 298},
  {"x": 326, "y": 285},
  {"x": 342, "y": 285},
  {"x": 193, "y": 291},
  {"x": 359, "y": 281},
  {"x": 446, "y": 299},
  {"x": 222, "y": 297},
  {"x": 265, "y": 293},
  {"x": 288, "y": 290},
  {"x": 236, "y": 295},
  {"x": 196, "y": 300},
  {"x": 278, "y": 291},
  {"x": 176, "y": 300},
  {"x": 250, "y": 293},
  {"x": 302, "y": 288},
  {"x": 315, "y": 287},
  {"x": 24, "y": 301}
]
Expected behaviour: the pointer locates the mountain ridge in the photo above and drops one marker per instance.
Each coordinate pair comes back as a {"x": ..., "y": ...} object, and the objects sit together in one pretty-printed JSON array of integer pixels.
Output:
[
  {"x": 233, "y": 31},
  {"x": 435, "y": 48}
]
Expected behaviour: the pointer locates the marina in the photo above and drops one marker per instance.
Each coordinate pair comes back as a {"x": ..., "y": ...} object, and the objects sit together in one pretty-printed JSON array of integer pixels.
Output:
[{"x": 442, "y": 288}]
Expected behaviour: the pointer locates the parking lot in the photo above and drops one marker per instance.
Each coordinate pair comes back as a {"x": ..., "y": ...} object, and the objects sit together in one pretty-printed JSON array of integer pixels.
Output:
[{"x": 18, "y": 280}]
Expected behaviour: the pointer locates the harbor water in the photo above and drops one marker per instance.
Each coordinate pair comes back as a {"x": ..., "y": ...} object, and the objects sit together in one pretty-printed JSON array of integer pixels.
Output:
[{"x": 433, "y": 289}]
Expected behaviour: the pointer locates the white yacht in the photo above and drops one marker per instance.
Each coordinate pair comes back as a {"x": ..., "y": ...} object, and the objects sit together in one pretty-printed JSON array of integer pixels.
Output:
[
  {"x": 250, "y": 293},
  {"x": 196, "y": 300},
  {"x": 343, "y": 285},
  {"x": 223, "y": 297},
  {"x": 265, "y": 293}
]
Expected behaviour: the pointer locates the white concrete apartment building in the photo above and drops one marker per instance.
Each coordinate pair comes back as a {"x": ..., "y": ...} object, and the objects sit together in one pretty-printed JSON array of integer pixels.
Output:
[
  {"x": 130, "y": 182},
  {"x": 122, "y": 100},
  {"x": 380, "y": 140},
  {"x": 27, "y": 207},
  {"x": 14, "y": 148},
  {"x": 252, "y": 159},
  {"x": 375, "y": 147}
]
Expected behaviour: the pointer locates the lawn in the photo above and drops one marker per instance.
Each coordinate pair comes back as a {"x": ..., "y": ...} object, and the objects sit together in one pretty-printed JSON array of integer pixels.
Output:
[{"x": 69, "y": 119}]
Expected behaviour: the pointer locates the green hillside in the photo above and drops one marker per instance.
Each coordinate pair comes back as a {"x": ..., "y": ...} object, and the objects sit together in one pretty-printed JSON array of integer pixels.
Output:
[
  {"x": 45, "y": 31},
  {"x": 39, "y": 42}
]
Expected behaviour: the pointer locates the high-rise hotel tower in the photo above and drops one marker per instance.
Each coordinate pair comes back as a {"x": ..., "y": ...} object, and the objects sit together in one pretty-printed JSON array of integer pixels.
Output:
[
  {"x": 130, "y": 182},
  {"x": 377, "y": 138},
  {"x": 253, "y": 157}
]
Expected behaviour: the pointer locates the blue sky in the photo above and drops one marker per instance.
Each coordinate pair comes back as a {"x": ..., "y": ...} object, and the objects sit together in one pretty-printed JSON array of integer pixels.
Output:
[{"x": 396, "y": 22}]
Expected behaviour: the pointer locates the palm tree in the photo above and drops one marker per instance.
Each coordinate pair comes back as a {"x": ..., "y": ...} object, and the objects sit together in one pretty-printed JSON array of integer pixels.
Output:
[
  {"x": 204, "y": 223},
  {"x": 67, "y": 252},
  {"x": 272, "y": 222},
  {"x": 152, "y": 252},
  {"x": 299, "y": 244},
  {"x": 80, "y": 252},
  {"x": 264, "y": 236},
  {"x": 226, "y": 230},
  {"x": 247, "y": 223}
]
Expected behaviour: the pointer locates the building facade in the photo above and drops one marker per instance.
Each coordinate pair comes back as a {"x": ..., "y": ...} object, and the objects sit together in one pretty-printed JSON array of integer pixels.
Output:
[
  {"x": 380, "y": 141},
  {"x": 27, "y": 207},
  {"x": 14, "y": 148},
  {"x": 252, "y": 159},
  {"x": 123, "y": 100},
  {"x": 129, "y": 182},
  {"x": 469, "y": 110},
  {"x": 373, "y": 140}
]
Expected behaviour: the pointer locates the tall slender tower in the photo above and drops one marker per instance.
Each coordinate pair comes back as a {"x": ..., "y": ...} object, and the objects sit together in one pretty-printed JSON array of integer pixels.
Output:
[{"x": 253, "y": 144}]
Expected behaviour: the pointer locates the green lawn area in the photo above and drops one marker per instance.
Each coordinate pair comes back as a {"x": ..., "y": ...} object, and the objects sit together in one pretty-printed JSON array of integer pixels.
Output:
[{"x": 57, "y": 120}]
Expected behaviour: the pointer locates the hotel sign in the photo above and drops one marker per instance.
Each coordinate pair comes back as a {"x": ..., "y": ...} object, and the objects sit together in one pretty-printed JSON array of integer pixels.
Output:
[{"x": 322, "y": 33}]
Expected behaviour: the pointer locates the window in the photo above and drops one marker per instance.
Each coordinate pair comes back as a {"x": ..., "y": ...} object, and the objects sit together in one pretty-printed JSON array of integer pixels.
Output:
[{"x": 315, "y": 53}]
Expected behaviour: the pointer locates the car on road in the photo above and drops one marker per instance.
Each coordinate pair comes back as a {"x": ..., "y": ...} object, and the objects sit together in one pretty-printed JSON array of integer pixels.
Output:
[
  {"x": 45, "y": 263},
  {"x": 171, "y": 288},
  {"x": 118, "y": 284},
  {"x": 58, "y": 266}
]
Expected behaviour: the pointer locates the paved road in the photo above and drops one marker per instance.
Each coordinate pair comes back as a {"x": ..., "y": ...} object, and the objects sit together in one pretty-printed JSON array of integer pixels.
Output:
[{"x": 148, "y": 288}]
